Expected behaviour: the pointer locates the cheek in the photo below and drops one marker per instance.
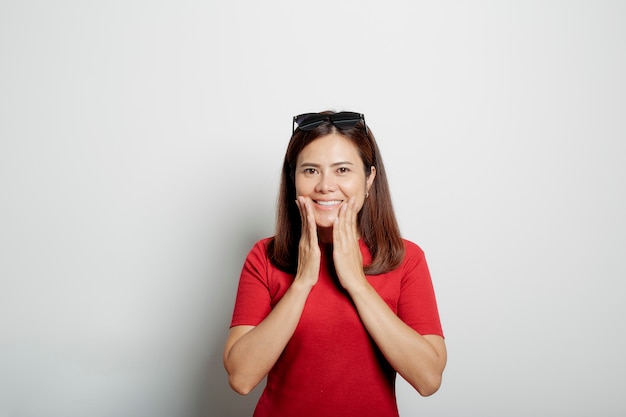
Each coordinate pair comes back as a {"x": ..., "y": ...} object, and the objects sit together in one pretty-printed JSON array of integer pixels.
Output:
[
  {"x": 357, "y": 190},
  {"x": 301, "y": 187}
]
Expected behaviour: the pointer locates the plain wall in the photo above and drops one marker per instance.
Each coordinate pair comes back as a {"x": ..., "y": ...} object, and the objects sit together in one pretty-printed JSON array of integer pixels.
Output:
[{"x": 140, "y": 149}]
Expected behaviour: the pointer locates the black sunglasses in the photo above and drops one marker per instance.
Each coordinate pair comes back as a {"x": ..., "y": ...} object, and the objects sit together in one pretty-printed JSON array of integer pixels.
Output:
[{"x": 342, "y": 120}]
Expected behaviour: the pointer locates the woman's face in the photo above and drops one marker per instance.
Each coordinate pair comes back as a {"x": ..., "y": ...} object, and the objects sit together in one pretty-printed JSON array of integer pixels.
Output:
[{"x": 329, "y": 171}]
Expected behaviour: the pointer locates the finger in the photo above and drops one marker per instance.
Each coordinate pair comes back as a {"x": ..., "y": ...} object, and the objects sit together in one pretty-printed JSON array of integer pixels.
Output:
[
  {"x": 342, "y": 228},
  {"x": 347, "y": 217},
  {"x": 302, "y": 209},
  {"x": 349, "y": 209},
  {"x": 354, "y": 215},
  {"x": 310, "y": 219},
  {"x": 339, "y": 223}
]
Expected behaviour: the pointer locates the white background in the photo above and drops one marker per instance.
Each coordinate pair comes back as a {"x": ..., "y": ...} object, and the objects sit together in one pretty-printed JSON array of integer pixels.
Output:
[{"x": 140, "y": 149}]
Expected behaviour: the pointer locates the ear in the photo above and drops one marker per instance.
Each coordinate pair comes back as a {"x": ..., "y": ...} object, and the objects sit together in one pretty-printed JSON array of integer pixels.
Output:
[{"x": 370, "y": 179}]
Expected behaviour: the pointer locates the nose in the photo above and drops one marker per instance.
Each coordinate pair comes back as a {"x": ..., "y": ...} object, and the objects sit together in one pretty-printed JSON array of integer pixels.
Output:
[{"x": 325, "y": 184}]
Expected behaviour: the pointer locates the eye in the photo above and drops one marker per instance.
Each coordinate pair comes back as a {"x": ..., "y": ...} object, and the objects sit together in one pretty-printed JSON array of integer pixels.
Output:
[
  {"x": 309, "y": 171},
  {"x": 343, "y": 170}
]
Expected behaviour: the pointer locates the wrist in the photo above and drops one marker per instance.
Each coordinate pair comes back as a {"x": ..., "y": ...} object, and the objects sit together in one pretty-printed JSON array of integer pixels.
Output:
[
  {"x": 358, "y": 287},
  {"x": 302, "y": 284}
]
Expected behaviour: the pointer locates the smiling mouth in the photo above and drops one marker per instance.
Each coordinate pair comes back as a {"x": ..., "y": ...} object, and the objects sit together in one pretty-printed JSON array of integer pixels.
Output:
[{"x": 329, "y": 203}]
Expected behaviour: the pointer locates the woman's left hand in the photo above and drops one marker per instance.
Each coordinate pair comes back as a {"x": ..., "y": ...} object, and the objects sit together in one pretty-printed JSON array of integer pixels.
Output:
[
  {"x": 346, "y": 251},
  {"x": 419, "y": 359}
]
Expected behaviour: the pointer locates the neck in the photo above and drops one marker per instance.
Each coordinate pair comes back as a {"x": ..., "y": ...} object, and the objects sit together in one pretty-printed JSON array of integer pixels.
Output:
[{"x": 325, "y": 234}]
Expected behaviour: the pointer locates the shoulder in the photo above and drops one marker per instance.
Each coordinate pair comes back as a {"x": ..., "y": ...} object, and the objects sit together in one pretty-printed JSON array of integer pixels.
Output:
[
  {"x": 414, "y": 256},
  {"x": 259, "y": 249},
  {"x": 412, "y": 249},
  {"x": 263, "y": 243}
]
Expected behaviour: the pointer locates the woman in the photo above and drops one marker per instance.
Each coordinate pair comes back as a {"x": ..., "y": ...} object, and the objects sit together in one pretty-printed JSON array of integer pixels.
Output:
[{"x": 332, "y": 306}]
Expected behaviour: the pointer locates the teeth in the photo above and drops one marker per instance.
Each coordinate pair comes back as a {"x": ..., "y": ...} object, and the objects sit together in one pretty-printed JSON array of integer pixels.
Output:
[{"x": 329, "y": 203}]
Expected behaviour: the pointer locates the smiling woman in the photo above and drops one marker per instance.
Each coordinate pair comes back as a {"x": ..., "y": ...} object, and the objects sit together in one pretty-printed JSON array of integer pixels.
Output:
[
  {"x": 336, "y": 303},
  {"x": 329, "y": 171}
]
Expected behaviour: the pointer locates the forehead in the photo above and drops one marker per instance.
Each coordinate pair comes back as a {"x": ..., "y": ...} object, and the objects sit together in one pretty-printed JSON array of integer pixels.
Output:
[{"x": 330, "y": 148}]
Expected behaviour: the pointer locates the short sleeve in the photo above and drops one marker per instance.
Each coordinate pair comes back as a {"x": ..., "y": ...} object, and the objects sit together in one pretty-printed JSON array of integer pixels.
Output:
[
  {"x": 253, "y": 301},
  {"x": 417, "y": 304}
]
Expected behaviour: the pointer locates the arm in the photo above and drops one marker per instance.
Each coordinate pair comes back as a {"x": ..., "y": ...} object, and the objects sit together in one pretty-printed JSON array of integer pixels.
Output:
[
  {"x": 419, "y": 359},
  {"x": 251, "y": 351}
]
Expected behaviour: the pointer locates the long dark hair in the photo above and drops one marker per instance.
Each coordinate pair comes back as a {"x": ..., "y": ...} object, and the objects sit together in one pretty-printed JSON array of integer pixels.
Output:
[{"x": 376, "y": 220}]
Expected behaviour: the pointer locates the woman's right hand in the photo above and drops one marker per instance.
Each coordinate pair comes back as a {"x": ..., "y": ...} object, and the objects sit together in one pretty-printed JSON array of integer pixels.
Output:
[
  {"x": 251, "y": 351},
  {"x": 309, "y": 254}
]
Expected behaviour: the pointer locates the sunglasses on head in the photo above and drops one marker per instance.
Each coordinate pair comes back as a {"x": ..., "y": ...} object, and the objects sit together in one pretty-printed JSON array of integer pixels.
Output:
[{"x": 341, "y": 120}]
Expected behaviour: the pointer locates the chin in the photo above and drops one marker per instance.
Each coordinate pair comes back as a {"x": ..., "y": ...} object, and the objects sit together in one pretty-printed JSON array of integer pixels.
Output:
[{"x": 325, "y": 221}]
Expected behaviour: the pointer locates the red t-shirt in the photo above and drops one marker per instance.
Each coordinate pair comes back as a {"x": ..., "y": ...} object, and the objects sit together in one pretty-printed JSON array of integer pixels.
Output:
[{"x": 331, "y": 367}]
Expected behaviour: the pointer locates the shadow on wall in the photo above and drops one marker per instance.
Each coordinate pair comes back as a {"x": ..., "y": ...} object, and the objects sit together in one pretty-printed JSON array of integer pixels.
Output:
[
  {"x": 219, "y": 399},
  {"x": 216, "y": 398}
]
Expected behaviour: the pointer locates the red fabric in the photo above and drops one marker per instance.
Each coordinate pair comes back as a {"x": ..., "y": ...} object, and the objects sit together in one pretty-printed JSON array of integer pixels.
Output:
[{"x": 331, "y": 367}]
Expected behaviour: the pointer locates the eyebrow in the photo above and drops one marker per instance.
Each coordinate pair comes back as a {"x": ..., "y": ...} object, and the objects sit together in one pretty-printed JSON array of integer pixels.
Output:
[{"x": 312, "y": 164}]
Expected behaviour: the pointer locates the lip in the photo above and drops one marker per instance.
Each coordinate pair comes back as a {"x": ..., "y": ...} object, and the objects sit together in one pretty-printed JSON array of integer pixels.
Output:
[{"x": 328, "y": 204}]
